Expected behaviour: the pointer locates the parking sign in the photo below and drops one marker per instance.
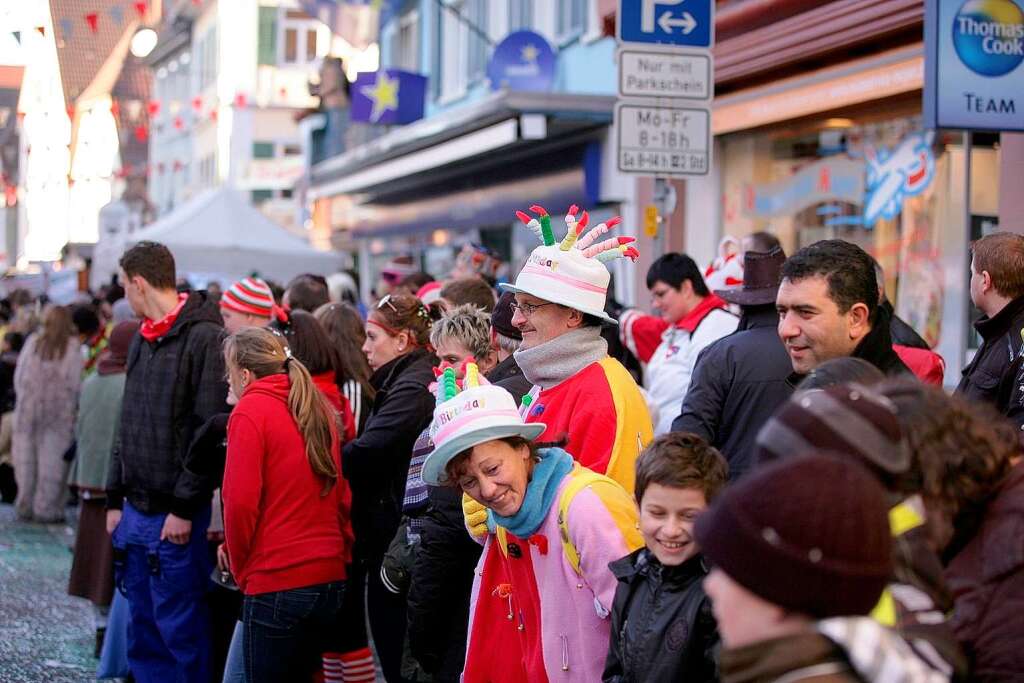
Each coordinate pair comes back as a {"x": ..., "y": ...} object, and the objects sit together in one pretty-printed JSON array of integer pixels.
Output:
[{"x": 684, "y": 23}]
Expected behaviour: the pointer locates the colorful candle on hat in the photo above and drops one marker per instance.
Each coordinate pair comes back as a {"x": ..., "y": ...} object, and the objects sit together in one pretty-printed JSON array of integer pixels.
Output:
[
  {"x": 570, "y": 229},
  {"x": 597, "y": 231},
  {"x": 472, "y": 376},
  {"x": 601, "y": 247},
  {"x": 451, "y": 389},
  {"x": 532, "y": 223},
  {"x": 545, "y": 225},
  {"x": 620, "y": 251}
]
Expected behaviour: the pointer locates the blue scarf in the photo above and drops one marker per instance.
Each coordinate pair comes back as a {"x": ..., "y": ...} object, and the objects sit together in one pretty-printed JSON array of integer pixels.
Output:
[{"x": 555, "y": 464}]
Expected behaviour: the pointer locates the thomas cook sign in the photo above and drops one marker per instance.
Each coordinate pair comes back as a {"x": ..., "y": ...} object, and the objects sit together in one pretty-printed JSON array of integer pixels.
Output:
[{"x": 974, "y": 65}]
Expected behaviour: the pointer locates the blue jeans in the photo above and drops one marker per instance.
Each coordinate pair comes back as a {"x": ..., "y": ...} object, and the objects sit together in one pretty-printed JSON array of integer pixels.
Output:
[
  {"x": 284, "y": 632},
  {"x": 165, "y": 584},
  {"x": 234, "y": 667}
]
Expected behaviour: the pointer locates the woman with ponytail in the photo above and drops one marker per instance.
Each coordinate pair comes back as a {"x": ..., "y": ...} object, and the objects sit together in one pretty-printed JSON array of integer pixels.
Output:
[
  {"x": 377, "y": 462},
  {"x": 286, "y": 506}
]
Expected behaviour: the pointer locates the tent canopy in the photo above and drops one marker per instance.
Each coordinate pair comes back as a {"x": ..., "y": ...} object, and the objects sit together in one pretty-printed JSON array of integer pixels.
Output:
[{"x": 219, "y": 233}]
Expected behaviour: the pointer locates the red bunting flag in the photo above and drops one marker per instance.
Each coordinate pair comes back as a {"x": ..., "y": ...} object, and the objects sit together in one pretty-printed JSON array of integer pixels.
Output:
[
  {"x": 241, "y": 101},
  {"x": 141, "y": 133},
  {"x": 213, "y": 114},
  {"x": 42, "y": 30},
  {"x": 93, "y": 20},
  {"x": 197, "y": 103},
  {"x": 153, "y": 107},
  {"x": 179, "y": 123},
  {"x": 140, "y": 7},
  {"x": 71, "y": 112},
  {"x": 178, "y": 166},
  {"x": 283, "y": 92},
  {"x": 115, "y": 109}
]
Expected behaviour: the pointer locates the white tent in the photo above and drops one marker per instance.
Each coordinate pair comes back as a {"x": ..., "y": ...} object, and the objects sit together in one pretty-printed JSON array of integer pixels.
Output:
[{"x": 218, "y": 233}]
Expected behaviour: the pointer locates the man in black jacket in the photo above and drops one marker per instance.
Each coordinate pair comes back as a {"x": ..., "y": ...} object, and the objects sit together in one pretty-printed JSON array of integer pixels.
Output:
[
  {"x": 996, "y": 374},
  {"x": 740, "y": 379},
  {"x": 175, "y": 383},
  {"x": 828, "y": 308}
]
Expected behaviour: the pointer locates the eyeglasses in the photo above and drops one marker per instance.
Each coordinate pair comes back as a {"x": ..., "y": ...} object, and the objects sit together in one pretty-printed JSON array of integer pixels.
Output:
[
  {"x": 386, "y": 301},
  {"x": 527, "y": 309}
]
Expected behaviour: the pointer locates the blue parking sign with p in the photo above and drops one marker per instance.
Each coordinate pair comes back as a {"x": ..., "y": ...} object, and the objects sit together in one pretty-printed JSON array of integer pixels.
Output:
[{"x": 666, "y": 22}]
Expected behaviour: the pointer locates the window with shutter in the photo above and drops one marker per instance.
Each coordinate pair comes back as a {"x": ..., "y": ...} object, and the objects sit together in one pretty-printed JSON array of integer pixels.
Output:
[{"x": 267, "y": 42}]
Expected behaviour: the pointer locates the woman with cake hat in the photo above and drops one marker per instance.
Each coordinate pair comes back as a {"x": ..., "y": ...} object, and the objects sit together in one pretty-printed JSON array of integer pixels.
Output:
[{"x": 542, "y": 592}]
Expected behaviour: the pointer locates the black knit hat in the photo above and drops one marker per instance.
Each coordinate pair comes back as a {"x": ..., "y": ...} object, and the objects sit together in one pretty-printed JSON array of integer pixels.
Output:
[
  {"x": 849, "y": 420},
  {"x": 808, "y": 534},
  {"x": 501, "y": 317}
]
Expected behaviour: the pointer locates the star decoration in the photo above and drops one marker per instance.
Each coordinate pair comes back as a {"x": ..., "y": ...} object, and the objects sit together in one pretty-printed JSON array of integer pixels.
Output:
[
  {"x": 384, "y": 94},
  {"x": 529, "y": 53}
]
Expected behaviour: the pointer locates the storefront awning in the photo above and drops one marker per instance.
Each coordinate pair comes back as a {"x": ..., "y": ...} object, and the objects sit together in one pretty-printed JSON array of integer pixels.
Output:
[{"x": 498, "y": 130}]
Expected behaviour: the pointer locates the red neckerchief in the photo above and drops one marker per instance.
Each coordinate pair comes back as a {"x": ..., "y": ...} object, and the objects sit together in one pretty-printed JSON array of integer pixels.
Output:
[
  {"x": 691, "y": 320},
  {"x": 153, "y": 330}
]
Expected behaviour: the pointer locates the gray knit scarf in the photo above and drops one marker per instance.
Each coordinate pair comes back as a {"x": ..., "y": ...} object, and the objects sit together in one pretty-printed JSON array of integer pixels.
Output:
[{"x": 551, "y": 363}]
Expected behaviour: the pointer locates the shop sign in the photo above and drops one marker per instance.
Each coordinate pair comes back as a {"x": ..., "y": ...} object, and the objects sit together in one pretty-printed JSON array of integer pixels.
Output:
[
  {"x": 974, "y": 65},
  {"x": 665, "y": 73},
  {"x": 522, "y": 61},
  {"x": 688, "y": 23},
  {"x": 388, "y": 96},
  {"x": 893, "y": 175},
  {"x": 663, "y": 140},
  {"x": 833, "y": 179}
]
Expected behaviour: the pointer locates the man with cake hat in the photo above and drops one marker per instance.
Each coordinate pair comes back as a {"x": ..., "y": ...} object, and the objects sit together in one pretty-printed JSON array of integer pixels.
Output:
[{"x": 582, "y": 394}]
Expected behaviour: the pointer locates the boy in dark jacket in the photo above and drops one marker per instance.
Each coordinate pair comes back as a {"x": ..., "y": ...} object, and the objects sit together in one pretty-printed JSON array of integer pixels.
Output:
[{"x": 662, "y": 625}]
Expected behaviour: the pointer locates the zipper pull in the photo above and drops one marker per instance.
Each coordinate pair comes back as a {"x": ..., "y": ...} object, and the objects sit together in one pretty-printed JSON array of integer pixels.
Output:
[
  {"x": 522, "y": 622},
  {"x": 565, "y": 653}
]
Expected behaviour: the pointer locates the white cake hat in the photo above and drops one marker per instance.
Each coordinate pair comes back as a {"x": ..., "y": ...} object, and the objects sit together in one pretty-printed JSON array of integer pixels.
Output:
[
  {"x": 481, "y": 412},
  {"x": 571, "y": 273}
]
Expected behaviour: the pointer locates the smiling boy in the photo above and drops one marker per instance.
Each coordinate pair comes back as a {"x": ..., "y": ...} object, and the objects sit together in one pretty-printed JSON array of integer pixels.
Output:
[{"x": 662, "y": 624}]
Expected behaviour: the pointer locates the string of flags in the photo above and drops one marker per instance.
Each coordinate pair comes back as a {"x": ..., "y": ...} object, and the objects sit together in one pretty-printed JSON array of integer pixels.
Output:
[{"x": 115, "y": 14}]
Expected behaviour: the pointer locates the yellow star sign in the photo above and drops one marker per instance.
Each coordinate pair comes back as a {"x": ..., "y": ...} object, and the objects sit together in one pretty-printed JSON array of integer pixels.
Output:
[
  {"x": 383, "y": 93},
  {"x": 529, "y": 53}
]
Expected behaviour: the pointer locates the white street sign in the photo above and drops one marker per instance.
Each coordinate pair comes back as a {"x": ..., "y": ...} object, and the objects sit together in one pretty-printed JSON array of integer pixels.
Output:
[
  {"x": 663, "y": 140},
  {"x": 666, "y": 72}
]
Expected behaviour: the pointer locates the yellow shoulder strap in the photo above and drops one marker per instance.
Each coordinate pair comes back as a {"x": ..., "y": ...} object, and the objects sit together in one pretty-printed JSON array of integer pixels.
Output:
[
  {"x": 903, "y": 518},
  {"x": 633, "y": 428},
  {"x": 502, "y": 535},
  {"x": 581, "y": 478}
]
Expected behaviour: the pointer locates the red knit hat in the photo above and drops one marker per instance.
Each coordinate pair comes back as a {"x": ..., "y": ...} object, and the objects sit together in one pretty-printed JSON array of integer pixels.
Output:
[
  {"x": 249, "y": 295},
  {"x": 808, "y": 534}
]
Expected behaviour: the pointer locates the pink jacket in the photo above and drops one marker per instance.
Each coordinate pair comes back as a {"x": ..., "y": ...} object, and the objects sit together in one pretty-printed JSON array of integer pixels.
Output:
[{"x": 545, "y": 595}]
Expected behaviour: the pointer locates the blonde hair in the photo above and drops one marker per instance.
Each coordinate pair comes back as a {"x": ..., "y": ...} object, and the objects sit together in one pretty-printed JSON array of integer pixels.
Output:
[
  {"x": 57, "y": 330},
  {"x": 263, "y": 353}
]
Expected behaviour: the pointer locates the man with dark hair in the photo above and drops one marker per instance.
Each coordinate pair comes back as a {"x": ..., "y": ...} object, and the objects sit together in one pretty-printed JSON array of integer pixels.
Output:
[
  {"x": 467, "y": 290},
  {"x": 91, "y": 333},
  {"x": 828, "y": 308},
  {"x": 740, "y": 380},
  {"x": 691, "y": 317},
  {"x": 175, "y": 383},
  {"x": 306, "y": 292},
  {"x": 996, "y": 375},
  {"x": 759, "y": 241}
]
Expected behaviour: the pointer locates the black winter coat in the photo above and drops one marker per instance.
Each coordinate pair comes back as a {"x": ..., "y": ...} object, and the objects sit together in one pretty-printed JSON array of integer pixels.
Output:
[
  {"x": 738, "y": 382},
  {"x": 442, "y": 581},
  {"x": 996, "y": 375},
  {"x": 901, "y": 332},
  {"x": 173, "y": 386},
  {"x": 376, "y": 463},
  {"x": 509, "y": 376},
  {"x": 662, "y": 625}
]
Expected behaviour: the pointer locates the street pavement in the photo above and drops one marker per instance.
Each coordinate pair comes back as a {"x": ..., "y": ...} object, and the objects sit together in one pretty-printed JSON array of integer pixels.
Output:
[{"x": 45, "y": 635}]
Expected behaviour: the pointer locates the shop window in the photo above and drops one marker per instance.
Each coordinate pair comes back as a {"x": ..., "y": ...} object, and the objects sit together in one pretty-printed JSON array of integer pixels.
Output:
[
  {"x": 298, "y": 37},
  {"x": 478, "y": 47},
  {"x": 263, "y": 150},
  {"x": 404, "y": 42},
  {"x": 260, "y": 196},
  {"x": 463, "y": 46},
  {"x": 291, "y": 46},
  {"x": 267, "y": 37},
  {"x": 286, "y": 193},
  {"x": 292, "y": 150}
]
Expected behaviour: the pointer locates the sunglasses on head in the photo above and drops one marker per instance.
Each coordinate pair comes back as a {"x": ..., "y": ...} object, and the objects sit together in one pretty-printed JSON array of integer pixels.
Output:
[{"x": 386, "y": 301}]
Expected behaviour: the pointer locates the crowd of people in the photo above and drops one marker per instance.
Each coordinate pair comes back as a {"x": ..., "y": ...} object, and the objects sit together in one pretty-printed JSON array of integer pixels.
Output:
[{"x": 526, "y": 481}]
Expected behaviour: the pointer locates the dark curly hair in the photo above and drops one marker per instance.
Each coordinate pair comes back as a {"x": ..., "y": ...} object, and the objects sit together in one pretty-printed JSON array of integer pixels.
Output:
[
  {"x": 963, "y": 452},
  {"x": 848, "y": 270}
]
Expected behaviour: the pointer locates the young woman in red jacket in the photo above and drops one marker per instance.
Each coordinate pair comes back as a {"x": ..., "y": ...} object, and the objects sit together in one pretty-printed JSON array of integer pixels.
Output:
[{"x": 286, "y": 506}]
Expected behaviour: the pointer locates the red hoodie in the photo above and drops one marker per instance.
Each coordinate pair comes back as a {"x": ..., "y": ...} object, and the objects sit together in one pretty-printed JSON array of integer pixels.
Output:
[
  {"x": 280, "y": 532},
  {"x": 327, "y": 386}
]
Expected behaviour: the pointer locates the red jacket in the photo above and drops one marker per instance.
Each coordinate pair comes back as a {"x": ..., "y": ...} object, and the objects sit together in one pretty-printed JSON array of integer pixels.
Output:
[
  {"x": 329, "y": 388},
  {"x": 280, "y": 532}
]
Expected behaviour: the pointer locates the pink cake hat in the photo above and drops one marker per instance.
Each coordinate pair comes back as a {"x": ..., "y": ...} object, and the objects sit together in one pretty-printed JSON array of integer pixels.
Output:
[{"x": 573, "y": 272}]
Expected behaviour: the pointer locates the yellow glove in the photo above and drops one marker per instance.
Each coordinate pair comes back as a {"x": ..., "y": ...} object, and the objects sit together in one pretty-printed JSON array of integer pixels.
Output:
[{"x": 475, "y": 516}]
